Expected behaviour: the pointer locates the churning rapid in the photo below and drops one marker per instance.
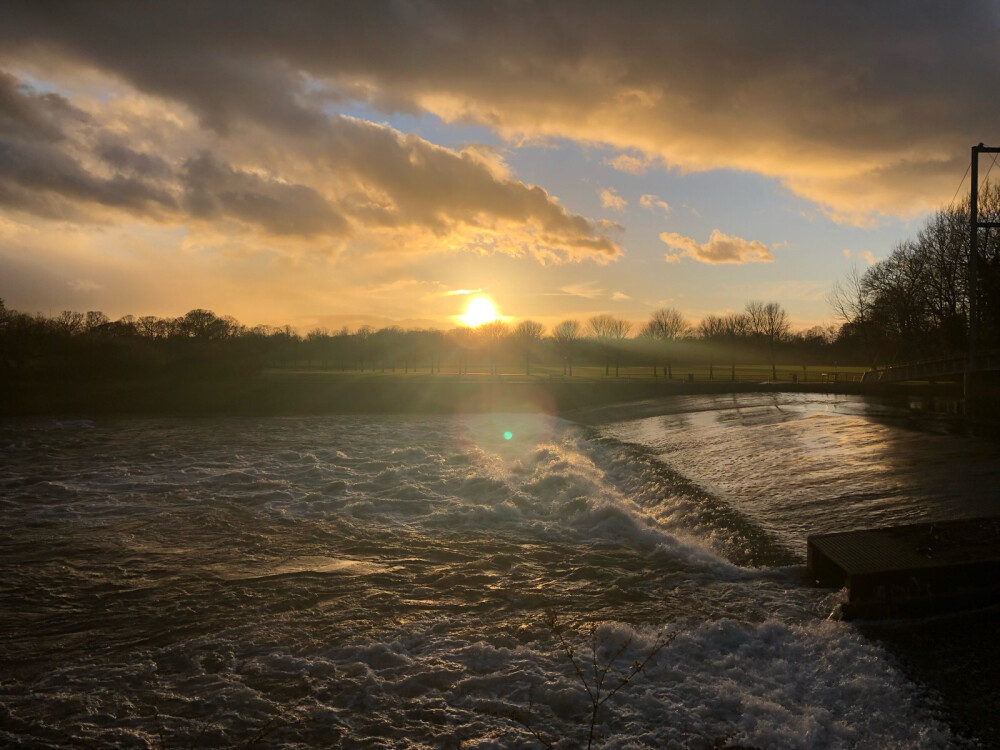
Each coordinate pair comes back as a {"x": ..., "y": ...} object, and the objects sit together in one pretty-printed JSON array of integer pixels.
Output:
[{"x": 383, "y": 581}]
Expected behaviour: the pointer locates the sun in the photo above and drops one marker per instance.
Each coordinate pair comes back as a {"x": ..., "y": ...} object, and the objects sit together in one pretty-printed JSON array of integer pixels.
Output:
[{"x": 479, "y": 311}]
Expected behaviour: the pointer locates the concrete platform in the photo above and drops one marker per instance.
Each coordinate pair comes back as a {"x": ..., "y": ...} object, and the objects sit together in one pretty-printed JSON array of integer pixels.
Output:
[{"x": 910, "y": 570}]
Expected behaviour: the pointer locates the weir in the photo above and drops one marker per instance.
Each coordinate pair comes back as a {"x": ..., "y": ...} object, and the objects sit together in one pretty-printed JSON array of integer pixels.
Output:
[{"x": 910, "y": 570}]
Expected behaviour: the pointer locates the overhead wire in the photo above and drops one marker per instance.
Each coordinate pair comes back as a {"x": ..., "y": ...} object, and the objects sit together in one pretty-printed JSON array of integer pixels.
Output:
[
  {"x": 962, "y": 182},
  {"x": 983, "y": 182}
]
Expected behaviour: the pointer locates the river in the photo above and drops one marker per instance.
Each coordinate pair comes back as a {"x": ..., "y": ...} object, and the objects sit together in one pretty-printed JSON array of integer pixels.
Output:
[{"x": 415, "y": 581}]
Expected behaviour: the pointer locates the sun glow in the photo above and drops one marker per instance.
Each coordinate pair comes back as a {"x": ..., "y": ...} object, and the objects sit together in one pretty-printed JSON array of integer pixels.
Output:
[{"x": 479, "y": 311}]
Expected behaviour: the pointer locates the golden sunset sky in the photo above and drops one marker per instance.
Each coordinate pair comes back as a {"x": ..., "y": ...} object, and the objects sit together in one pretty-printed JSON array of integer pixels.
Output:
[{"x": 330, "y": 164}]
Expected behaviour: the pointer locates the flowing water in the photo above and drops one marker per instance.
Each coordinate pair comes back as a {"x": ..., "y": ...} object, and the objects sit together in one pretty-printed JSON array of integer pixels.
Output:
[{"x": 384, "y": 581}]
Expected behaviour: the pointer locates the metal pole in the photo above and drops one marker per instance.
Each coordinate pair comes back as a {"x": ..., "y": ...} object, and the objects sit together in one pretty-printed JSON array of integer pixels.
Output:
[{"x": 973, "y": 265}]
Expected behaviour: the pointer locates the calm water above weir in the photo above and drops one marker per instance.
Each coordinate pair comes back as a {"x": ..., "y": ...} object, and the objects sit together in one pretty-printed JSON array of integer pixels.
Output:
[{"x": 381, "y": 581}]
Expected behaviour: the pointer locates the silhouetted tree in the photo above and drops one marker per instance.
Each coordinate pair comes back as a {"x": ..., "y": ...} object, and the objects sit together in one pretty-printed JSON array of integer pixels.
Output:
[
  {"x": 914, "y": 304},
  {"x": 528, "y": 333},
  {"x": 610, "y": 332},
  {"x": 663, "y": 328},
  {"x": 734, "y": 329},
  {"x": 566, "y": 335},
  {"x": 769, "y": 322},
  {"x": 711, "y": 330},
  {"x": 493, "y": 334},
  {"x": 362, "y": 338}
]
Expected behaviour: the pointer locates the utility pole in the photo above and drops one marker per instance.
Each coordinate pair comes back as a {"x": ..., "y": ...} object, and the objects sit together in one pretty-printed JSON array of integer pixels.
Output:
[{"x": 974, "y": 226}]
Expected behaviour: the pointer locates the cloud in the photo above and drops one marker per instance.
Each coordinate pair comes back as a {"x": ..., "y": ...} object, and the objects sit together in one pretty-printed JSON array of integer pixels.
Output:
[
  {"x": 720, "y": 248},
  {"x": 349, "y": 180},
  {"x": 213, "y": 189},
  {"x": 630, "y": 163},
  {"x": 866, "y": 255},
  {"x": 653, "y": 202},
  {"x": 825, "y": 100},
  {"x": 85, "y": 285},
  {"x": 619, "y": 296},
  {"x": 587, "y": 290},
  {"x": 27, "y": 115},
  {"x": 611, "y": 199}
]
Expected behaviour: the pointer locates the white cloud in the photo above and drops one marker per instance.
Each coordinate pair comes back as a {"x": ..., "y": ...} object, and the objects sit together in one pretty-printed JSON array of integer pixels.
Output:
[
  {"x": 720, "y": 248},
  {"x": 637, "y": 165},
  {"x": 611, "y": 199},
  {"x": 586, "y": 290},
  {"x": 866, "y": 255},
  {"x": 652, "y": 202}
]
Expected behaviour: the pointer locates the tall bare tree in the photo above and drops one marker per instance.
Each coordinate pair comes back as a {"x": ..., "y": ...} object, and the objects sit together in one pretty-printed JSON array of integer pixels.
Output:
[
  {"x": 566, "y": 334},
  {"x": 664, "y": 326},
  {"x": 769, "y": 322},
  {"x": 493, "y": 334},
  {"x": 528, "y": 333},
  {"x": 734, "y": 327},
  {"x": 610, "y": 332},
  {"x": 710, "y": 330}
]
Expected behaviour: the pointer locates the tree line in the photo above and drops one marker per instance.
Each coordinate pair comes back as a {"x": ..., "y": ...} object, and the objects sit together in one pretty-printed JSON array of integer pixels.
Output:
[
  {"x": 914, "y": 304},
  {"x": 74, "y": 344}
]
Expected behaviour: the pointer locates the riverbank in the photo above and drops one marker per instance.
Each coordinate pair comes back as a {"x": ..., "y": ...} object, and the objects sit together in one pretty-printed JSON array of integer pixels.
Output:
[{"x": 325, "y": 393}]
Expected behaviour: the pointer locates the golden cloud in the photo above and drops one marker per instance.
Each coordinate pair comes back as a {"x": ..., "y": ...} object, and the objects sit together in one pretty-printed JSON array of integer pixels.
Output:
[
  {"x": 720, "y": 248},
  {"x": 349, "y": 181}
]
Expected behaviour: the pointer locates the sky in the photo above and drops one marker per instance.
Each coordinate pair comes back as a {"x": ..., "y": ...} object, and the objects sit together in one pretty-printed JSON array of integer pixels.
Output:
[{"x": 383, "y": 163}]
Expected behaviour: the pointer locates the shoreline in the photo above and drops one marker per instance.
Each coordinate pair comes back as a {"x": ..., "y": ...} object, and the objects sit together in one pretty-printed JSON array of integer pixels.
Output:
[{"x": 299, "y": 394}]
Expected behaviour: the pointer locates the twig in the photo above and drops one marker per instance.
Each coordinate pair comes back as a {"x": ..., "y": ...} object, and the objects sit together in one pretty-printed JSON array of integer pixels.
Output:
[{"x": 595, "y": 688}]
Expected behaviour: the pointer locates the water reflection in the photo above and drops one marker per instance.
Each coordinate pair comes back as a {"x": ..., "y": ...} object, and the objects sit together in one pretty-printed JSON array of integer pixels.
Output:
[{"x": 800, "y": 464}]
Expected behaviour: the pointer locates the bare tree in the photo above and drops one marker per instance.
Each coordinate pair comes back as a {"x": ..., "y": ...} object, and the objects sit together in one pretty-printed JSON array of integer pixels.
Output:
[
  {"x": 769, "y": 322},
  {"x": 462, "y": 341},
  {"x": 151, "y": 327},
  {"x": 70, "y": 322},
  {"x": 362, "y": 338},
  {"x": 664, "y": 326},
  {"x": 710, "y": 330},
  {"x": 734, "y": 328},
  {"x": 528, "y": 333},
  {"x": 204, "y": 325},
  {"x": 94, "y": 320},
  {"x": 493, "y": 333},
  {"x": 610, "y": 332},
  {"x": 852, "y": 302},
  {"x": 566, "y": 335}
]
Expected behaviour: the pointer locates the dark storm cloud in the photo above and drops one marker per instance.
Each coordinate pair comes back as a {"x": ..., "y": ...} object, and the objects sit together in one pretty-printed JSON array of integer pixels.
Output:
[
  {"x": 125, "y": 159},
  {"x": 214, "y": 189},
  {"x": 435, "y": 187},
  {"x": 349, "y": 172},
  {"x": 38, "y": 171},
  {"x": 31, "y": 168},
  {"x": 31, "y": 116},
  {"x": 835, "y": 68},
  {"x": 814, "y": 93}
]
